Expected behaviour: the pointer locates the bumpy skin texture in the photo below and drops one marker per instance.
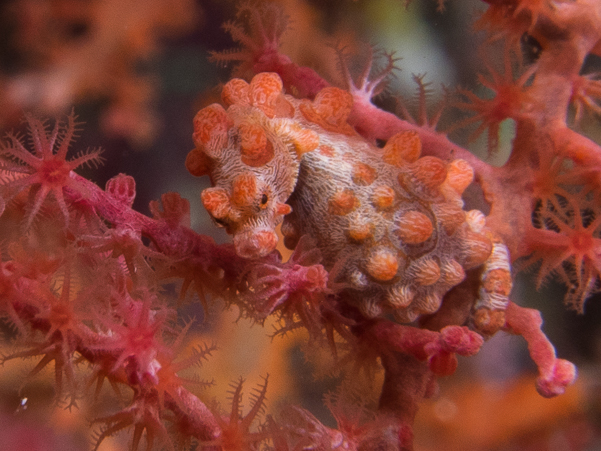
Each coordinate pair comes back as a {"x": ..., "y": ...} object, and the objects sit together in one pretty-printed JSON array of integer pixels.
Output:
[{"x": 391, "y": 221}]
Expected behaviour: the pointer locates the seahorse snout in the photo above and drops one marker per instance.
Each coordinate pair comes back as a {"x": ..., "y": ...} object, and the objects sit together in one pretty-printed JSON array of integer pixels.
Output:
[{"x": 255, "y": 243}]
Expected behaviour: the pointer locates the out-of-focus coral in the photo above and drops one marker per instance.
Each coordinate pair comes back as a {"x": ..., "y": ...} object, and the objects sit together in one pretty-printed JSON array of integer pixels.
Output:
[
  {"x": 68, "y": 51},
  {"x": 487, "y": 415}
]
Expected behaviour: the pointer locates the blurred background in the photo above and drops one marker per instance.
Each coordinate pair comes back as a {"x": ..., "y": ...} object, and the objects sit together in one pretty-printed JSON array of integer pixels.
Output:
[{"x": 136, "y": 71}]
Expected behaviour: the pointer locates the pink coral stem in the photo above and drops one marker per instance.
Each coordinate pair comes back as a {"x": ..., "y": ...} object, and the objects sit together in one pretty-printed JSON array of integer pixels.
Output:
[{"x": 554, "y": 374}]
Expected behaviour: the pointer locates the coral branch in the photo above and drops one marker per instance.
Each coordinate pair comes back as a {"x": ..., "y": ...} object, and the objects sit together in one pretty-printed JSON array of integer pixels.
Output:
[
  {"x": 554, "y": 374},
  {"x": 437, "y": 348}
]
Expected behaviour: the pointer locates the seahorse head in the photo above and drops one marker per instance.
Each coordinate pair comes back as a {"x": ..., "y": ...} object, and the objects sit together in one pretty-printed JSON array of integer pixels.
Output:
[
  {"x": 250, "y": 208},
  {"x": 251, "y": 152}
]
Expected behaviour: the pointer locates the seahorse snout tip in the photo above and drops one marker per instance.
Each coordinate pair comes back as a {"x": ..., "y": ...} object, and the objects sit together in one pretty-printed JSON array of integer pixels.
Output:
[{"x": 255, "y": 243}]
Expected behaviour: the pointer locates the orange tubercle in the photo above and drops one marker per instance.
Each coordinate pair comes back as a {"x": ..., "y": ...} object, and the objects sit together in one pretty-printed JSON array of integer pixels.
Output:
[
  {"x": 343, "y": 202},
  {"x": 382, "y": 265},
  {"x": 283, "y": 209},
  {"x": 453, "y": 273},
  {"x": 401, "y": 296},
  {"x": 414, "y": 227},
  {"x": 476, "y": 248},
  {"x": 402, "y": 148},
  {"x": 424, "y": 177},
  {"x": 244, "y": 189},
  {"x": 330, "y": 110},
  {"x": 425, "y": 272},
  {"x": 198, "y": 163},
  {"x": 216, "y": 201},
  {"x": 459, "y": 175},
  {"x": 265, "y": 89},
  {"x": 497, "y": 281},
  {"x": 360, "y": 231},
  {"x": 236, "y": 91},
  {"x": 383, "y": 197},
  {"x": 210, "y": 124},
  {"x": 487, "y": 321},
  {"x": 450, "y": 216},
  {"x": 304, "y": 140},
  {"x": 430, "y": 171},
  {"x": 363, "y": 174},
  {"x": 327, "y": 151},
  {"x": 255, "y": 148}
]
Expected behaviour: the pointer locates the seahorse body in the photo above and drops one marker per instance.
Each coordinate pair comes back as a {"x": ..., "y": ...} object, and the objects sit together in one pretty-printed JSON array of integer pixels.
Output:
[{"x": 394, "y": 221}]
